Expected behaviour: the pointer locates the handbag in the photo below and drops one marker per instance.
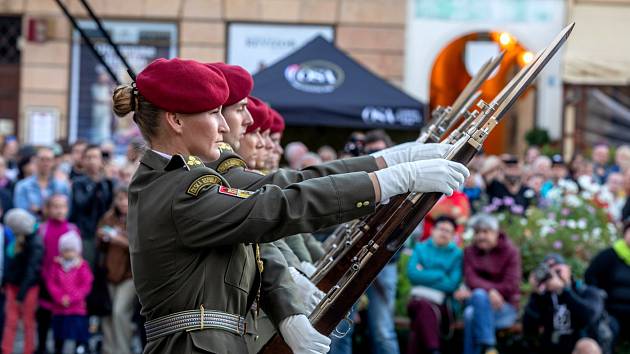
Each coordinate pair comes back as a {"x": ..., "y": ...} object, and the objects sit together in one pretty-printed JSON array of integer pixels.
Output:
[
  {"x": 423, "y": 292},
  {"x": 99, "y": 302}
]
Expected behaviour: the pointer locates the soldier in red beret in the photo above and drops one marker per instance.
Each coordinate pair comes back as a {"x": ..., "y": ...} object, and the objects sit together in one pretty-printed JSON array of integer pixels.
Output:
[
  {"x": 252, "y": 145},
  {"x": 238, "y": 118},
  {"x": 193, "y": 238},
  {"x": 265, "y": 132},
  {"x": 277, "y": 129}
]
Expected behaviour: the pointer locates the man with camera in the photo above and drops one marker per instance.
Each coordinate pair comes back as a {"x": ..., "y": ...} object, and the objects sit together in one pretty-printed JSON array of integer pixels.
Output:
[{"x": 565, "y": 316}]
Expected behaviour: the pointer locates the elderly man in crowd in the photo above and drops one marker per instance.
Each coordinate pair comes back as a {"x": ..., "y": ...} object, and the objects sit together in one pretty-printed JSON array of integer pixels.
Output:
[{"x": 492, "y": 274}]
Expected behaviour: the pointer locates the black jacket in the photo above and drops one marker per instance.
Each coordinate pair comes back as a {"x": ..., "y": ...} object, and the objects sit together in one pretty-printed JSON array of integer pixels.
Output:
[
  {"x": 576, "y": 311},
  {"x": 608, "y": 272},
  {"x": 23, "y": 269},
  {"x": 90, "y": 201}
]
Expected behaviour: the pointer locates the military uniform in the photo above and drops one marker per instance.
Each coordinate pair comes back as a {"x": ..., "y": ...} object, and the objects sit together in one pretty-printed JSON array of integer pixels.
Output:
[
  {"x": 232, "y": 167},
  {"x": 190, "y": 238},
  {"x": 306, "y": 247}
]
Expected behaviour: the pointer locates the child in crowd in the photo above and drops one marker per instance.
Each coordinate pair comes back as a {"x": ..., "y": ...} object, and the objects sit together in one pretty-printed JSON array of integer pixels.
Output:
[
  {"x": 69, "y": 282},
  {"x": 21, "y": 279},
  {"x": 55, "y": 226}
]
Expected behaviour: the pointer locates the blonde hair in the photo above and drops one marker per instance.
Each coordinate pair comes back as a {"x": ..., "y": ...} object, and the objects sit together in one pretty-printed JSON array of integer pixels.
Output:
[{"x": 127, "y": 99}]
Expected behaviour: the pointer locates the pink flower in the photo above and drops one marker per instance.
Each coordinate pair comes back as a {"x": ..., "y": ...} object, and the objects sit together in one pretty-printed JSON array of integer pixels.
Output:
[
  {"x": 557, "y": 245},
  {"x": 566, "y": 211},
  {"x": 517, "y": 209},
  {"x": 508, "y": 201}
]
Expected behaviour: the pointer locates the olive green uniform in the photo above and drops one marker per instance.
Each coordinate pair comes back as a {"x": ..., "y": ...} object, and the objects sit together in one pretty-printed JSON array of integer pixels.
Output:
[
  {"x": 234, "y": 170},
  {"x": 306, "y": 247},
  {"x": 190, "y": 239}
]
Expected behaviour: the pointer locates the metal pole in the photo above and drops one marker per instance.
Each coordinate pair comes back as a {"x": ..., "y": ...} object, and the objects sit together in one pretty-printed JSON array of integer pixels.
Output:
[
  {"x": 88, "y": 41},
  {"x": 108, "y": 38}
]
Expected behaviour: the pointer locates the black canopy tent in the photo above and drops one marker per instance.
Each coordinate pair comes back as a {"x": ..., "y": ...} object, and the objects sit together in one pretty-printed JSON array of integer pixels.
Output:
[{"x": 319, "y": 85}]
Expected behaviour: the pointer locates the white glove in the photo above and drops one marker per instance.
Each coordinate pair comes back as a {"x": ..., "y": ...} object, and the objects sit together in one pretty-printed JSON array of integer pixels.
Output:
[
  {"x": 307, "y": 268},
  {"x": 436, "y": 175},
  {"x": 301, "y": 337},
  {"x": 412, "y": 151},
  {"x": 306, "y": 290}
]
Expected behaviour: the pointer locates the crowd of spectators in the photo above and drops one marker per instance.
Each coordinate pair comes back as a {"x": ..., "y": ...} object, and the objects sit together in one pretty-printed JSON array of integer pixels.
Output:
[
  {"x": 65, "y": 261},
  {"x": 477, "y": 284},
  {"x": 66, "y": 270}
]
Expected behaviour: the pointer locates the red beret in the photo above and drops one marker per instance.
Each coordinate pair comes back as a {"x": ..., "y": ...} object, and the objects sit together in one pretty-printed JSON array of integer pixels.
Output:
[
  {"x": 182, "y": 86},
  {"x": 260, "y": 113},
  {"x": 277, "y": 124},
  {"x": 239, "y": 81}
]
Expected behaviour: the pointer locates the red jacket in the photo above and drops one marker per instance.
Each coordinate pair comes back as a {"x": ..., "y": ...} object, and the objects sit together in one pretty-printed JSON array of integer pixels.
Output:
[
  {"x": 499, "y": 269},
  {"x": 76, "y": 283}
]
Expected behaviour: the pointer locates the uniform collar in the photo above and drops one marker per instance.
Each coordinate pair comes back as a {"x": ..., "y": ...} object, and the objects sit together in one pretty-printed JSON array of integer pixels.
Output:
[{"x": 158, "y": 161}]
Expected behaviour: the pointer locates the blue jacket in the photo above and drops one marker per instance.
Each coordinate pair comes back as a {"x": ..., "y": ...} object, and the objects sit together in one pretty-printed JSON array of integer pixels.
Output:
[
  {"x": 27, "y": 192},
  {"x": 441, "y": 266}
]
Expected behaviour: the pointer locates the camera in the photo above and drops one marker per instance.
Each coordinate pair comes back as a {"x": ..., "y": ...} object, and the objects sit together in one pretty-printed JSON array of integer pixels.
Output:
[{"x": 542, "y": 273}]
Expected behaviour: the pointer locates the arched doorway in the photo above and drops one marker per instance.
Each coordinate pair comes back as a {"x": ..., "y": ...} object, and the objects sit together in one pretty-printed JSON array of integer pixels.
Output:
[{"x": 459, "y": 60}]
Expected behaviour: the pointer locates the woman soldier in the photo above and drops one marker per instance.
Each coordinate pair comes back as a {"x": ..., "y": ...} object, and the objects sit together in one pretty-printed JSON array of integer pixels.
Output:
[{"x": 193, "y": 238}]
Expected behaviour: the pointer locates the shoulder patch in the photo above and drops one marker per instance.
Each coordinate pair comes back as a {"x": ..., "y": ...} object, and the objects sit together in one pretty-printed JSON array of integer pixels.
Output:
[
  {"x": 234, "y": 192},
  {"x": 202, "y": 183},
  {"x": 223, "y": 147},
  {"x": 230, "y": 163},
  {"x": 194, "y": 161}
]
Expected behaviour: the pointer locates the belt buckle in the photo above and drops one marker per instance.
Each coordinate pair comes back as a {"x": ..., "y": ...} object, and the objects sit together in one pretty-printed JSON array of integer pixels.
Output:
[
  {"x": 244, "y": 321},
  {"x": 201, "y": 319}
]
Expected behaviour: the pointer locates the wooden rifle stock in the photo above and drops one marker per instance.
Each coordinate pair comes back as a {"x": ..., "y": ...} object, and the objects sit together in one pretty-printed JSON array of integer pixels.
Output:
[
  {"x": 374, "y": 256},
  {"x": 329, "y": 274}
]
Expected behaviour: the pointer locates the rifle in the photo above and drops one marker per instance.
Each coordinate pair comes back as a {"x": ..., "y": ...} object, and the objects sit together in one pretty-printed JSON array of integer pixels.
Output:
[
  {"x": 448, "y": 116},
  {"x": 394, "y": 231},
  {"x": 336, "y": 262}
]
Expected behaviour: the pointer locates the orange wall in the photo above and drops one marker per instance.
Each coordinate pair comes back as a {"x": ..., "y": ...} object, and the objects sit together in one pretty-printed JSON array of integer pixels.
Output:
[{"x": 449, "y": 77}]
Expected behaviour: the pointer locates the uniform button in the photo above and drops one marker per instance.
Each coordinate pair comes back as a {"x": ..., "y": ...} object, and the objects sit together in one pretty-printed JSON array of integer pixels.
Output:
[
  {"x": 366, "y": 203},
  {"x": 359, "y": 204}
]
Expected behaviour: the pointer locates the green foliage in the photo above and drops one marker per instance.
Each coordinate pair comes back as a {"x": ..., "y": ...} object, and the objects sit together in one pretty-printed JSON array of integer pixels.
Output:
[
  {"x": 404, "y": 285},
  {"x": 572, "y": 224},
  {"x": 537, "y": 137}
]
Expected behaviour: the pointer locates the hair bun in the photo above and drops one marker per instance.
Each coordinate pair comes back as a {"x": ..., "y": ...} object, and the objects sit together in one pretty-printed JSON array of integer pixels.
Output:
[{"x": 123, "y": 100}]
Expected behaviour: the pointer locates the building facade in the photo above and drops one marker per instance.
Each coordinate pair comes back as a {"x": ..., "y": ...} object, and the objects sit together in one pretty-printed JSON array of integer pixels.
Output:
[{"x": 57, "y": 89}]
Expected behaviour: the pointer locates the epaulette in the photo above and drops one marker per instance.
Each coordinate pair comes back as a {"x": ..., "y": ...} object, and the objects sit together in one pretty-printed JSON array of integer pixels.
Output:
[
  {"x": 258, "y": 172},
  {"x": 194, "y": 162},
  {"x": 225, "y": 147},
  {"x": 179, "y": 161}
]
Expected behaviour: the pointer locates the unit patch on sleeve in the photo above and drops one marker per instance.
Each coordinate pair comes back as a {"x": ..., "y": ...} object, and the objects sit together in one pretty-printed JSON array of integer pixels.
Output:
[
  {"x": 234, "y": 192},
  {"x": 201, "y": 184},
  {"x": 230, "y": 163}
]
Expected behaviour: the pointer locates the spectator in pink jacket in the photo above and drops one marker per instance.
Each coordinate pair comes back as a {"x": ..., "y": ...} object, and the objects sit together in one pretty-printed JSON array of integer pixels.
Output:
[
  {"x": 492, "y": 274},
  {"x": 69, "y": 282},
  {"x": 55, "y": 226}
]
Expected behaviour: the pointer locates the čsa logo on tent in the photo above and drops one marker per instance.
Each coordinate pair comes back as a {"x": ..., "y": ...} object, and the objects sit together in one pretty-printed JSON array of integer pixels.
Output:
[
  {"x": 315, "y": 76},
  {"x": 387, "y": 115}
]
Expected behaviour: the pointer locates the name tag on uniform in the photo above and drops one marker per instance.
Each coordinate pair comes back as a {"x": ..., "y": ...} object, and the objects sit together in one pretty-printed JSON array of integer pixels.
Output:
[{"x": 234, "y": 192}]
